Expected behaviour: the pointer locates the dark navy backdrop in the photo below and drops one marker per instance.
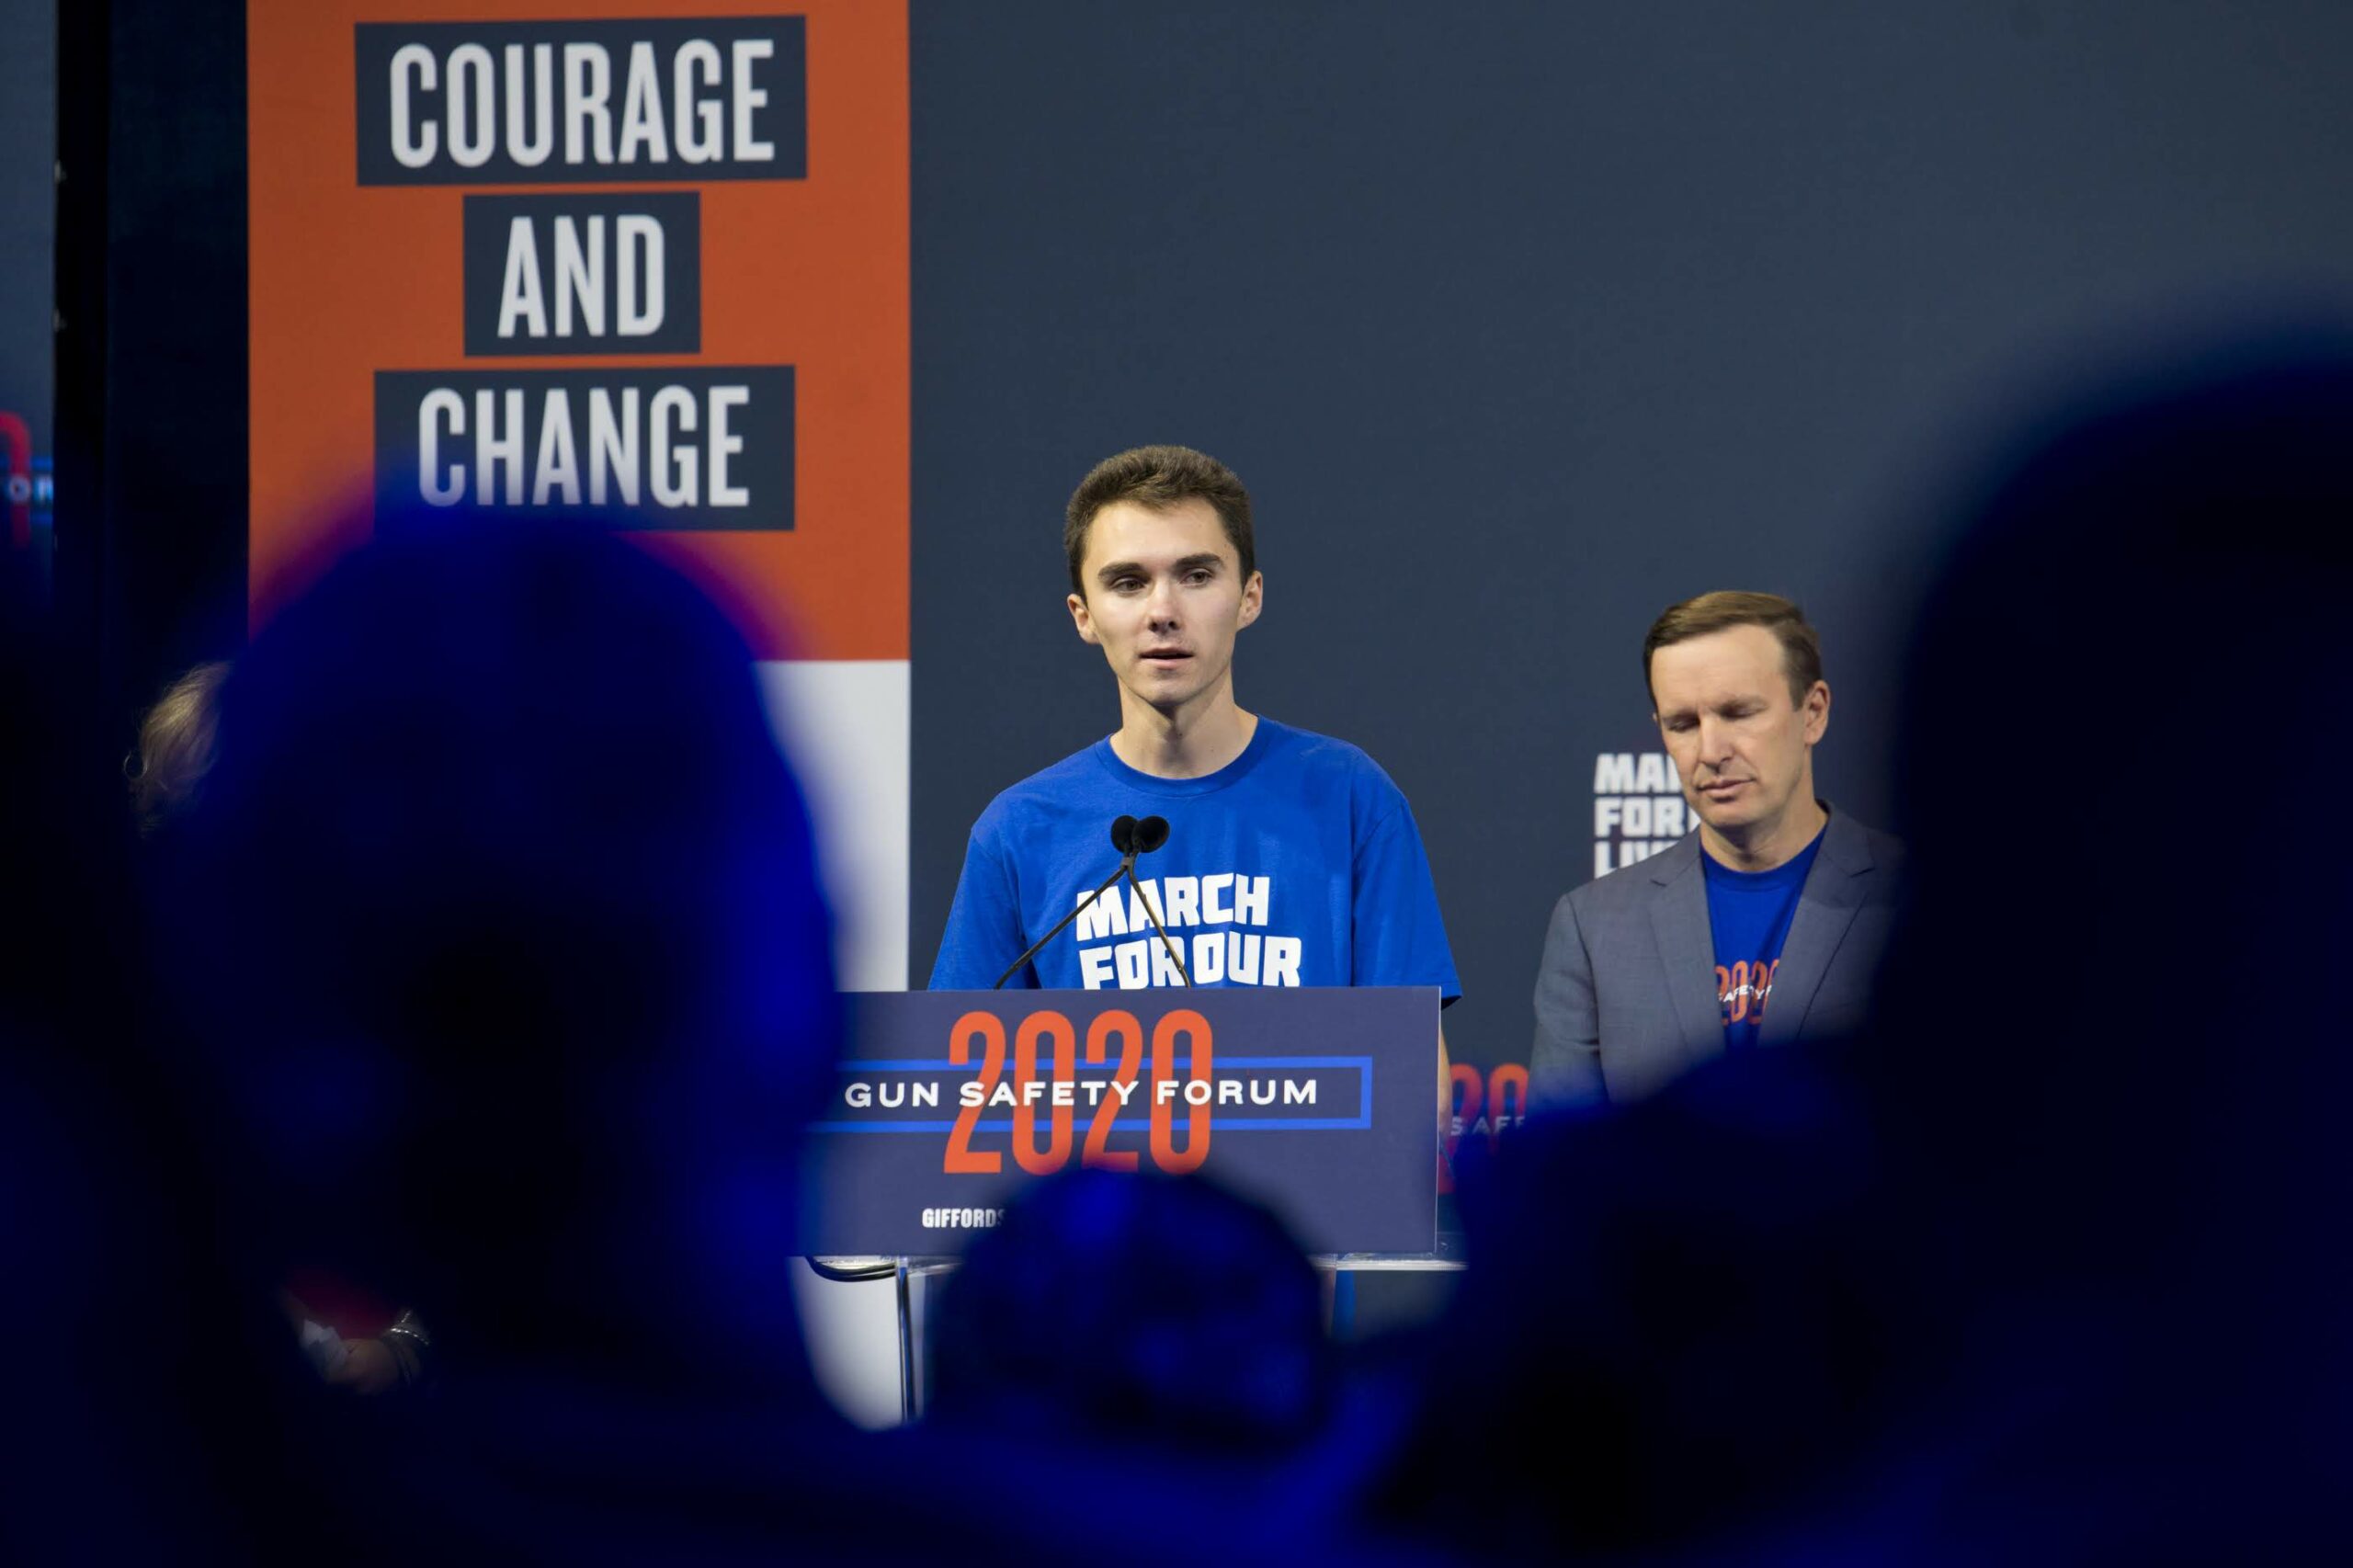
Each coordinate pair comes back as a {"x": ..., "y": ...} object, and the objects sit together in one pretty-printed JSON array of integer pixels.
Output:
[{"x": 1521, "y": 321}]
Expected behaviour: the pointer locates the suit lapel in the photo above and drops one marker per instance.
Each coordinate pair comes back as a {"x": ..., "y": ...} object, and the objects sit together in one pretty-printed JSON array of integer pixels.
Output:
[
  {"x": 1686, "y": 946},
  {"x": 1816, "y": 931}
]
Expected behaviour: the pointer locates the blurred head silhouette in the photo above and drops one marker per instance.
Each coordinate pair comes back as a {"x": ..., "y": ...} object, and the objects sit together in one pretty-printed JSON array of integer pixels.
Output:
[
  {"x": 2107, "y": 1017},
  {"x": 1135, "y": 1308},
  {"x": 2104, "y": 1074},
  {"x": 500, "y": 912}
]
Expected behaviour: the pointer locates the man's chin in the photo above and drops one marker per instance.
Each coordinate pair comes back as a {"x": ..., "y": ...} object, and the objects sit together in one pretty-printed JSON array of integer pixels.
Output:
[
  {"x": 1728, "y": 819},
  {"x": 1168, "y": 688},
  {"x": 1165, "y": 698}
]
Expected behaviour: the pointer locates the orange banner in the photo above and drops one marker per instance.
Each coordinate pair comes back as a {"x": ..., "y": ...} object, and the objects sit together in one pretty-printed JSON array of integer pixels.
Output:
[{"x": 567, "y": 255}]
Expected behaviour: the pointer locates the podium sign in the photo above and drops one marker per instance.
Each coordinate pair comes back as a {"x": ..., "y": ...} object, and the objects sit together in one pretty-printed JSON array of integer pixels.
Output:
[{"x": 1320, "y": 1104}]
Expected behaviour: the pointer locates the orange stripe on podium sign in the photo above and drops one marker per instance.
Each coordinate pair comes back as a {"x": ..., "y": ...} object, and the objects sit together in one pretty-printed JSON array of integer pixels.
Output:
[{"x": 551, "y": 257}]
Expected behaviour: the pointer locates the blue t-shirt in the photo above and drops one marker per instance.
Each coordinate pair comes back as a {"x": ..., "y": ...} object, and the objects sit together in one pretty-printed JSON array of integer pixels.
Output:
[
  {"x": 1749, "y": 914},
  {"x": 1298, "y": 863}
]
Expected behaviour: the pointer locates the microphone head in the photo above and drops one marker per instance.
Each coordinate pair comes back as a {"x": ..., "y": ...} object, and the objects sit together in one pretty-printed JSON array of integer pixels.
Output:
[
  {"x": 1124, "y": 836},
  {"x": 1151, "y": 834}
]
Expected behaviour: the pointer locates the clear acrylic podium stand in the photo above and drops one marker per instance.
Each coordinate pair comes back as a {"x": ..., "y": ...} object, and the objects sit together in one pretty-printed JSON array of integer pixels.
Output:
[{"x": 913, "y": 1280}]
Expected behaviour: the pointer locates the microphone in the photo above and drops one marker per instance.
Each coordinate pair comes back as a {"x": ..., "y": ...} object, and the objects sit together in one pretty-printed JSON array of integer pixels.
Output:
[
  {"x": 1148, "y": 835},
  {"x": 1124, "y": 833}
]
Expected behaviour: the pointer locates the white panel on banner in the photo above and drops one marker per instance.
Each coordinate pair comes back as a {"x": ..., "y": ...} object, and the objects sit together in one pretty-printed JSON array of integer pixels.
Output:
[{"x": 844, "y": 723}]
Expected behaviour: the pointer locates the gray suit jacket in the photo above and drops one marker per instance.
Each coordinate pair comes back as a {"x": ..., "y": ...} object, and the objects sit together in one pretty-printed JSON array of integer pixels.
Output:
[{"x": 1626, "y": 1000}]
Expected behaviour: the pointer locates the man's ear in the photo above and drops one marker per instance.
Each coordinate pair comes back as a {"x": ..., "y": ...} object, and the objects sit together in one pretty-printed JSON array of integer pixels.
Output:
[
  {"x": 1254, "y": 597},
  {"x": 1080, "y": 619},
  {"x": 1816, "y": 708}
]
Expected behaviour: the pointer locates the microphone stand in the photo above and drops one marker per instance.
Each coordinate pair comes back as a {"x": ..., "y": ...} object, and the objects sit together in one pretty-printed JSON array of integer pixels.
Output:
[
  {"x": 1130, "y": 838},
  {"x": 1121, "y": 841},
  {"x": 1127, "y": 869}
]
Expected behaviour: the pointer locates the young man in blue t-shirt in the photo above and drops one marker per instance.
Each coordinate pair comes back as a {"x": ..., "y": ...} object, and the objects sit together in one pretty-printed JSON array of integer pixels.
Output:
[{"x": 1291, "y": 860}]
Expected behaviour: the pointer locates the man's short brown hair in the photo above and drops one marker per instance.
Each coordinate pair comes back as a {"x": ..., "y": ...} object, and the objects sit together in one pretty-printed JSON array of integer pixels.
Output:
[
  {"x": 1726, "y": 608},
  {"x": 1158, "y": 477}
]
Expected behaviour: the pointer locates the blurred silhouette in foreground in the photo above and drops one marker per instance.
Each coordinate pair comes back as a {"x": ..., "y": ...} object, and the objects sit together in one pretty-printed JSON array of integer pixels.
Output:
[
  {"x": 178, "y": 741},
  {"x": 1134, "y": 1308},
  {"x": 499, "y": 917},
  {"x": 1157, "y": 1346},
  {"x": 128, "y": 1431},
  {"x": 2044, "y": 1266},
  {"x": 2132, "y": 1147}
]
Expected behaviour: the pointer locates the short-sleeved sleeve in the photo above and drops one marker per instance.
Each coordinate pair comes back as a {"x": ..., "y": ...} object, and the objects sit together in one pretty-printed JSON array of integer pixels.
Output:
[
  {"x": 1398, "y": 937},
  {"x": 983, "y": 931}
]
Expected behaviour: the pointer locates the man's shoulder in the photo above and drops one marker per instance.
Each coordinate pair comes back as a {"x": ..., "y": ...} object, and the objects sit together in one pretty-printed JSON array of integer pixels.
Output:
[
  {"x": 1047, "y": 791},
  {"x": 1327, "y": 758},
  {"x": 1640, "y": 883},
  {"x": 1857, "y": 848}
]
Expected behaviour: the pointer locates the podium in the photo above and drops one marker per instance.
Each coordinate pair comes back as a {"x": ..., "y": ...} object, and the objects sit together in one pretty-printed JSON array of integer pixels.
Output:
[{"x": 1320, "y": 1104}]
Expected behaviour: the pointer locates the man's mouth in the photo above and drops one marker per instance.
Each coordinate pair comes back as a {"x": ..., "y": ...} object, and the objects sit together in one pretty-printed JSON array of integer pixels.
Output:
[
  {"x": 1721, "y": 786},
  {"x": 1165, "y": 655}
]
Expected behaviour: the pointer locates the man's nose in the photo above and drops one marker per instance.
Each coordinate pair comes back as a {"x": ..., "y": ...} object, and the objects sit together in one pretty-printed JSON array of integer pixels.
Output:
[
  {"x": 1160, "y": 604},
  {"x": 1715, "y": 744}
]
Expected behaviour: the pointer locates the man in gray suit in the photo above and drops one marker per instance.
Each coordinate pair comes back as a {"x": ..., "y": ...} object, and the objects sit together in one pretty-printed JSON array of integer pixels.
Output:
[{"x": 1763, "y": 926}]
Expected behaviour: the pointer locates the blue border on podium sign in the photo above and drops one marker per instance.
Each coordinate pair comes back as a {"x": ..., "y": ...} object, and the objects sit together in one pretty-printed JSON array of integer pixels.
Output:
[{"x": 1363, "y": 1118}]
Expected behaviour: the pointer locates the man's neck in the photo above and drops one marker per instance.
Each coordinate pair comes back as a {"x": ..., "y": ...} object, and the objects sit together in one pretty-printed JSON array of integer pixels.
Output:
[
  {"x": 1775, "y": 845},
  {"x": 1189, "y": 743}
]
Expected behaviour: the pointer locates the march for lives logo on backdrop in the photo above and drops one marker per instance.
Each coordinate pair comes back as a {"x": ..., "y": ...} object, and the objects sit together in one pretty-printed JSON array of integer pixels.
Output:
[
  {"x": 563, "y": 265},
  {"x": 1638, "y": 808}
]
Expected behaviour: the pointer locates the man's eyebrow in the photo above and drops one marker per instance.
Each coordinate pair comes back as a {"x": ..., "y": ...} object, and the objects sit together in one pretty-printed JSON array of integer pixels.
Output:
[{"x": 1111, "y": 572}]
